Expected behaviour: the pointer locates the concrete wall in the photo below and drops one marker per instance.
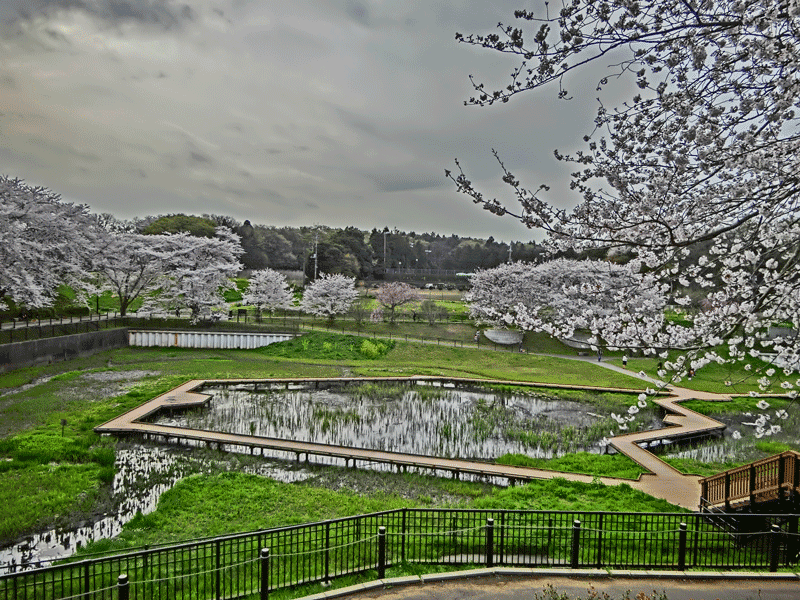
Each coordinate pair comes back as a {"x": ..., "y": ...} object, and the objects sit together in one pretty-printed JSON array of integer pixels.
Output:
[
  {"x": 25, "y": 354},
  {"x": 205, "y": 339}
]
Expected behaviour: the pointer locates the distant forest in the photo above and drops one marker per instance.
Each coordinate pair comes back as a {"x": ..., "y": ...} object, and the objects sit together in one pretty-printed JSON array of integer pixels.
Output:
[{"x": 350, "y": 251}]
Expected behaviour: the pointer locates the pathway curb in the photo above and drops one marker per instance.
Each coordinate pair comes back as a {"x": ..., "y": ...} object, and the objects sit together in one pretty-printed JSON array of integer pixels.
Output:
[{"x": 532, "y": 572}]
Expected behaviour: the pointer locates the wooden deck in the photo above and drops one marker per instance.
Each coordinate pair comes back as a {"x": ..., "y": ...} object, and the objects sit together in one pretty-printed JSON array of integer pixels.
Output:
[{"x": 662, "y": 481}]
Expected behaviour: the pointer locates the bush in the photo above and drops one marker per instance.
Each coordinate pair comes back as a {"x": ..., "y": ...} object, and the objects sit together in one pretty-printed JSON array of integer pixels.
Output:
[
  {"x": 104, "y": 456},
  {"x": 373, "y": 350}
]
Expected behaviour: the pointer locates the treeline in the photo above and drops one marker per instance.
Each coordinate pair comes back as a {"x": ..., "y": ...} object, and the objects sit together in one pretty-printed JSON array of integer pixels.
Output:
[{"x": 350, "y": 251}]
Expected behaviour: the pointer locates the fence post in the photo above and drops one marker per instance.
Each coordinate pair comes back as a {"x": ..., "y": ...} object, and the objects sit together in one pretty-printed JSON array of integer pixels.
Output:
[
  {"x": 489, "y": 543},
  {"x": 217, "y": 573},
  {"x": 774, "y": 547},
  {"x": 327, "y": 551},
  {"x": 381, "y": 552},
  {"x": 752, "y": 489},
  {"x": 600, "y": 542},
  {"x": 682, "y": 547},
  {"x": 501, "y": 540},
  {"x": 85, "y": 577},
  {"x": 403, "y": 538},
  {"x": 123, "y": 587},
  {"x": 576, "y": 543},
  {"x": 264, "y": 573}
]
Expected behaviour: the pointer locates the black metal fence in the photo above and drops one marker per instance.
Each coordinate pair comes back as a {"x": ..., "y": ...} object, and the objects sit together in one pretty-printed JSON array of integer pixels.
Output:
[
  {"x": 253, "y": 564},
  {"x": 25, "y": 331}
]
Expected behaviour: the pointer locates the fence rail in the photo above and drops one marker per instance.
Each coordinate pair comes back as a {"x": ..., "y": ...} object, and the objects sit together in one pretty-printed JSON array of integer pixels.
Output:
[
  {"x": 772, "y": 479},
  {"x": 253, "y": 564}
]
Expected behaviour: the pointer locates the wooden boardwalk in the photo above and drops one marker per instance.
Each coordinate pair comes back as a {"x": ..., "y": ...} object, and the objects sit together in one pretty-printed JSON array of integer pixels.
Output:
[
  {"x": 661, "y": 481},
  {"x": 773, "y": 480}
]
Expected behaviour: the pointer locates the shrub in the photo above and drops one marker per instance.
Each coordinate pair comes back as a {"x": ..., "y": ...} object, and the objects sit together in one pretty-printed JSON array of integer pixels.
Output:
[{"x": 372, "y": 349}]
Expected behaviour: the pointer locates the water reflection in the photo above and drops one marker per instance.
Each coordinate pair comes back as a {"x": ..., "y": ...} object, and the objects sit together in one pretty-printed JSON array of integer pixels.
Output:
[
  {"x": 143, "y": 474},
  {"x": 435, "y": 422}
]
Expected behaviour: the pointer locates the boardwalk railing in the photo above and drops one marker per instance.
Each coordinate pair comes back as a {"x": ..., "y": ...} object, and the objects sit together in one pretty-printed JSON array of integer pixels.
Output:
[
  {"x": 772, "y": 479},
  {"x": 254, "y": 564}
]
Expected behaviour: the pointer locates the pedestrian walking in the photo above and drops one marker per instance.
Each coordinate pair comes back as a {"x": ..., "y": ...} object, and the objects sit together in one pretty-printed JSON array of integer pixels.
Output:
[{"x": 624, "y": 360}]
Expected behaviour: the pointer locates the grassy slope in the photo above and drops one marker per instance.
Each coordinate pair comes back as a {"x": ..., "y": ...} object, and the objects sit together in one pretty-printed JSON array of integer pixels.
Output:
[{"x": 193, "y": 507}]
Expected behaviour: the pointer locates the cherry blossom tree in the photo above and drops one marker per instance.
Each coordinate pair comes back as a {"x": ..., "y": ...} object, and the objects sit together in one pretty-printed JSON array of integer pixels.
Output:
[
  {"x": 268, "y": 290},
  {"x": 200, "y": 271},
  {"x": 45, "y": 241},
  {"x": 598, "y": 298},
  {"x": 702, "y": 155},
  {"x": 330, "y": 295},
  {"x": 394, "y": 294},
  {"x": 133, "y": 265}
]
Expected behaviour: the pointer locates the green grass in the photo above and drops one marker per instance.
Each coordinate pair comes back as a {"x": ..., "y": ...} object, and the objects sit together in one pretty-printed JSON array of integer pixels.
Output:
[
  {"x": 601, "y": 465},
  {"x": 432, "y": 359},
  {"x": 561, "y": 494},
  {"x": 736, "y": 406},
  {"x": 704, "y": 469},
  {"x": 201, "y": 506},
  {"x": 447, "y": 334},
  {"x": 40, "y": 496},
  {"x": 222, "y": 503},
  {"x": 712, "y": 377},
  {"x": 328, "y": 347}
]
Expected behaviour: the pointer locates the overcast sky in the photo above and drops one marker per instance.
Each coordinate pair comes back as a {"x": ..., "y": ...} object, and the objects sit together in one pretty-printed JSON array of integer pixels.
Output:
[{"x": 292, "y": 112}]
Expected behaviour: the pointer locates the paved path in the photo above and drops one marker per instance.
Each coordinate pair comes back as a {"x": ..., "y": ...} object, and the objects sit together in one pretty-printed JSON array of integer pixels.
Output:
[{"x": 699, "y": 586}]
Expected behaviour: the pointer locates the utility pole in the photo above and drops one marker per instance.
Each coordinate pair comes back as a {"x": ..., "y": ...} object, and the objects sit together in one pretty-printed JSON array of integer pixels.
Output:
[
  {"x": 316, "y": 254},
  {"x": 384, "y": 251},
  {"x": 510, "y": 246}
]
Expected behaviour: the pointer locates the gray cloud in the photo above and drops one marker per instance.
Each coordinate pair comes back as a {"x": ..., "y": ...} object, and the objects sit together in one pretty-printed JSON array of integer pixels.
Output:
[
  {"x": 165, "y": 13},
  {"x": 336, "y": 112},
  {"x": 410, "y": 181}
]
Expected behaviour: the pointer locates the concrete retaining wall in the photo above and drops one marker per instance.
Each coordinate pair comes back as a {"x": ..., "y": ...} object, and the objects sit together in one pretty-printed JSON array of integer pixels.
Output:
[
  {"x": 205, "y": 339},
  {"x": 65, "y": 347}
]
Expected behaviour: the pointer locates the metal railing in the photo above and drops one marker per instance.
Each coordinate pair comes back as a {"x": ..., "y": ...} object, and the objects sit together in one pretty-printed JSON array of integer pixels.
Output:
[{"x": 254, "y": 564}]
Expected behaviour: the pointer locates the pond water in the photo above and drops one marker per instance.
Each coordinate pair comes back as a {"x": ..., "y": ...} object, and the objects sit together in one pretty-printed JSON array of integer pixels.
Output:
[{"x": 452, "y": 423}]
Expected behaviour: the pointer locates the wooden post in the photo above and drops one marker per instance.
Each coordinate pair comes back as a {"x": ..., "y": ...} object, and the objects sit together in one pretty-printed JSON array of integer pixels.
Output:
[
  {"x": 796, "y": 477},
  {"x": 727, "y": 492}
]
